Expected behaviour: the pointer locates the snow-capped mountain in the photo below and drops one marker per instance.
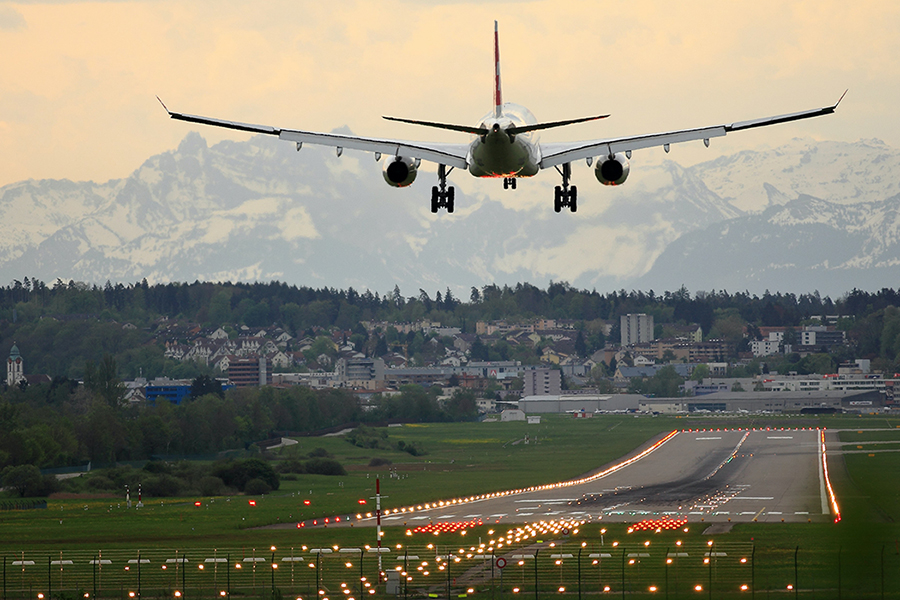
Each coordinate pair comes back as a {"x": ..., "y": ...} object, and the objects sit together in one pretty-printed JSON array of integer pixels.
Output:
[
  {"x": 805, "y": 245},
  {"x": 258, "y": 210},
  {"x": 840, "y": 172}
]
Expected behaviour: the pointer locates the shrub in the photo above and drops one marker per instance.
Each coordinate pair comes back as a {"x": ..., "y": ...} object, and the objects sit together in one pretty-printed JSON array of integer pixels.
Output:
[
  {"x": 157, "y": 466},
  {"x": 257, "y": 487},
  {"x": 100, "y": 482},
  {"x": 237, "y": 473},
  {"x": 211, "y": 486},
  {"x": 366, "y": 437},
  {"x": 380, "y": 462},
  {"x": 163, "y": 486},
  {"x": 291, "y": 465},
  {"x": 320, "y": 453},
  {"x": 411, "y": 448},
  {"x": 325, "y": 466}
]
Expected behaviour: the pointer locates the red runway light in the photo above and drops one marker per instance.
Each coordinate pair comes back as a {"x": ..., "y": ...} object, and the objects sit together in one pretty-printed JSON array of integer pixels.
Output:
[{"x": 251, "y": 502}]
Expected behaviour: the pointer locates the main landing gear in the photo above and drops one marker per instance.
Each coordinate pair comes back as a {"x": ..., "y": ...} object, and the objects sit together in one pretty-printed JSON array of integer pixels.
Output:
[
  {"x": 442, "y": 196},
  {"x": 565, "y": 195},
  {"x": 509, "y": 183}
]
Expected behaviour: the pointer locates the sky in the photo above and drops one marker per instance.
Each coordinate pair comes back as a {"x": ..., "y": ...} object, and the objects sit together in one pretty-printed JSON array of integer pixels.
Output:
[{"x": 80, "y": 79}]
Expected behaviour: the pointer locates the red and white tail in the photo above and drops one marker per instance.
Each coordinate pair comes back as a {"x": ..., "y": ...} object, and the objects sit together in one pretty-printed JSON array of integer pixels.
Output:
[{"x": 498, "y": 96}]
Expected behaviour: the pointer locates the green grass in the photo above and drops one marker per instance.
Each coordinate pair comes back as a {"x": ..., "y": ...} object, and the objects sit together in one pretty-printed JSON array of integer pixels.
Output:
[{"x": 466, "y": 459}]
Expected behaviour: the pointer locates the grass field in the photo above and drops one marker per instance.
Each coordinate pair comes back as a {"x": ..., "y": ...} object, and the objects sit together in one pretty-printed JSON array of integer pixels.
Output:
[{"x": 464, "y": 459}]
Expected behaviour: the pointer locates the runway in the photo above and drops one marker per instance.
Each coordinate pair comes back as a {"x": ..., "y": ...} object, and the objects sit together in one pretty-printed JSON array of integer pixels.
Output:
[{"x": 711, "y": 475}]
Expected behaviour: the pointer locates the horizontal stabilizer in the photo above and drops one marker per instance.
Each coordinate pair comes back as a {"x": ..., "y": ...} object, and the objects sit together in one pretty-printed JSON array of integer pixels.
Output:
[
  {"x": 514, "y": 130},
  {"x": 550, "y": 125},
  {"x": 462, "y": 128}
]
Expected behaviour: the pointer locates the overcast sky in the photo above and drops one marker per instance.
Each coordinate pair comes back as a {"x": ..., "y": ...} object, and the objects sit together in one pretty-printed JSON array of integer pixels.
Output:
[{"x": 79, "y": 79}]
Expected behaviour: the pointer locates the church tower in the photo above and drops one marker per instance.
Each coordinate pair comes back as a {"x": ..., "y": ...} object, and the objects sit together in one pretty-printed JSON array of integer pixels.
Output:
[{"x": 15, "y": 367}]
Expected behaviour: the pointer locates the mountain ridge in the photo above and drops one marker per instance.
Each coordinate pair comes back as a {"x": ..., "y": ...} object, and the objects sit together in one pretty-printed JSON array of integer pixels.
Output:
[{"x": 258, "y": 210}]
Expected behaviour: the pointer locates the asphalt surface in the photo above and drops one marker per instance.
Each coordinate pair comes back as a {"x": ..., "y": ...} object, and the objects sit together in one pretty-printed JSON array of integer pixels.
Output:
[{"x": 713, "y": 475}]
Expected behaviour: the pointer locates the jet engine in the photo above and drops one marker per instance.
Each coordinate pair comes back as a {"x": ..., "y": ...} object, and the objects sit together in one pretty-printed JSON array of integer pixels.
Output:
[
  {"x": 612, "y": 170},
  {"x": 399, "y": 171}
]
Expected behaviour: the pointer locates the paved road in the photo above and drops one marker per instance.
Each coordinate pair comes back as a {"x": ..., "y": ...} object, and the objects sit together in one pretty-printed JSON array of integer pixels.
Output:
[{"x": 711, "y": 475}]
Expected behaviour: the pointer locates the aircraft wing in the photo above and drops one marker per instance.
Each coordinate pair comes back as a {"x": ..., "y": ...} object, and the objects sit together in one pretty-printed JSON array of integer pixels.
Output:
[
  {"x": 560, "y": 153},
  {"x": 453, "y": 155}
]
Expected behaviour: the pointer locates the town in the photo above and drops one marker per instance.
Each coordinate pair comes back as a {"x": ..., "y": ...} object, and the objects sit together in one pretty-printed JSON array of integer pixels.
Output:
[{"x": 533, "y": 366}]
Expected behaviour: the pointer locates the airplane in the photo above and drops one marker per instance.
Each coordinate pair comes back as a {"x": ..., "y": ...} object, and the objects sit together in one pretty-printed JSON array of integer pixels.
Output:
[{"x": 504, "y": 144}]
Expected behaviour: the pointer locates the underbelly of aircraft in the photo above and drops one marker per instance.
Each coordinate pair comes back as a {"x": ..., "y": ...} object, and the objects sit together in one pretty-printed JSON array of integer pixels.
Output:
[{"x": 501, "y": 159}]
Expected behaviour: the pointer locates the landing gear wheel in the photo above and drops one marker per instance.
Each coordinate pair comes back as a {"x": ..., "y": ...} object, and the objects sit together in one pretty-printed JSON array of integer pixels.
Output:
[
  {"x": 442, "y": 195},
  {"x": 512, "y": 183},
  {"x": 565, "y": 196},
  {"x": 506, "y": 183}
]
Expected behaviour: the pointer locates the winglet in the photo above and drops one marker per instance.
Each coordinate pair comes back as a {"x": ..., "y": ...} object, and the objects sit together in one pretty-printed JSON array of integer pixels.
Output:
[
  {"x": 841, "y": 98},
  {"x": 164, "y": 106}
]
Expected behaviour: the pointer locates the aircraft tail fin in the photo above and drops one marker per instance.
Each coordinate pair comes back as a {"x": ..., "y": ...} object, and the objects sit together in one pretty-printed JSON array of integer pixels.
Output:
[{"x": 498, "y": 96}]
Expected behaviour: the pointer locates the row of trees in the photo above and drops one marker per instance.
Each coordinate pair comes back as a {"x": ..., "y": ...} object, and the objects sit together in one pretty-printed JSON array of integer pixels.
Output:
[
  {"x": 65, "y": 325},
  {"x": 61, "y": 424},
  {"x": 299, "y": 308}
]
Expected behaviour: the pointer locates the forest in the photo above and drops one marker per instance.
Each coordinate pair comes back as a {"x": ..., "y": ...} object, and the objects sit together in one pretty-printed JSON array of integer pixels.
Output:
[
  {"x": 62, "y": 423},
  {"x": 67, "y": 324}
]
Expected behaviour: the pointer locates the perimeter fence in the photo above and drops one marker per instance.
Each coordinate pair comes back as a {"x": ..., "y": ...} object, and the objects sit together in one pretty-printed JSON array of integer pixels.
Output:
[{"x": 697, "y": 569}]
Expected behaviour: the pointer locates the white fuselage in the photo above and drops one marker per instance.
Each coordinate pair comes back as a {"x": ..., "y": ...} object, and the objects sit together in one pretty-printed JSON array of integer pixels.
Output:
[{"x": 498, "y": 154}]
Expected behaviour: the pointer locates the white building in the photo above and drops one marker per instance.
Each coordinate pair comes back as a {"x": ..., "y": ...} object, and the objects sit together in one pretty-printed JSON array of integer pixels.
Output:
[
  {"x": 769, "y": 346},
  {"x": 512, "y": 414},
  {"x": 15, "y": 367},
  {"x": 636, "y": 329}
]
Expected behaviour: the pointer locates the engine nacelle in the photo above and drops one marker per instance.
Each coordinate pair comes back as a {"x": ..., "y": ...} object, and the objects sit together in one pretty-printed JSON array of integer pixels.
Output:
[
  {"x": 612, "y": 170},
  {"x": 399, "y": 171}
]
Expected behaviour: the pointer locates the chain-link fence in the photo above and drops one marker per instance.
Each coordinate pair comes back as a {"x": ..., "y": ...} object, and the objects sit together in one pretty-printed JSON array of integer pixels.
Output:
[{"x": 698, "y": 569}]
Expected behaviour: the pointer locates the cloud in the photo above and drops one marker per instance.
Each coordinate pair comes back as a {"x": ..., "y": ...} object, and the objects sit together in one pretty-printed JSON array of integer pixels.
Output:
[{"x": 11, "y": 19}]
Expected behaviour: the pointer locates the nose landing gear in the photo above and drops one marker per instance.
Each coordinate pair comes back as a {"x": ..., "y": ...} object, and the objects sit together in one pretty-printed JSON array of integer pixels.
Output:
[
  {"x": 509, "y": 183},
  {"x": 565, "y": 195}
]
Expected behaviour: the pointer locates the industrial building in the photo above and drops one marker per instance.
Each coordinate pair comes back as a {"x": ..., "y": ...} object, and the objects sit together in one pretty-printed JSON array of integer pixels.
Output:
[{"x": 811, "y": 402}]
